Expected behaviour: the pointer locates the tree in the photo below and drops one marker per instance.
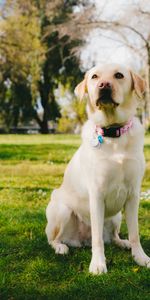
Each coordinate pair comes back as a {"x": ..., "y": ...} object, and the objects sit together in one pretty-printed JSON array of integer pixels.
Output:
[
  {"x": 60, "y": 65},
  {"x": 21, "y": 57},
  {"x": 33, "y": 54}
]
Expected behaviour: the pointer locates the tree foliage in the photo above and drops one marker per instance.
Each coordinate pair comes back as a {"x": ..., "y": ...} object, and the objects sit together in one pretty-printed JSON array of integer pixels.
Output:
[
  {"x": 73, "y": 117},
  {"x": 34, "y": 57},
  {"x": 22, "y": 52},
  {"x": 21, "y": 59}
]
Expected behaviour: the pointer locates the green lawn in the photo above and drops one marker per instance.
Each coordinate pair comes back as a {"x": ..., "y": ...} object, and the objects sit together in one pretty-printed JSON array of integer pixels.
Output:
[{"x": 31, "y": 167}]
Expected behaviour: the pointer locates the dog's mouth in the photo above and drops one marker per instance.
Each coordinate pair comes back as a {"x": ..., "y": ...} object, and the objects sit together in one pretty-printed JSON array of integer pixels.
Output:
[
  {"x": 105, "y": 98},
  {"x": 106, "y": 101}
]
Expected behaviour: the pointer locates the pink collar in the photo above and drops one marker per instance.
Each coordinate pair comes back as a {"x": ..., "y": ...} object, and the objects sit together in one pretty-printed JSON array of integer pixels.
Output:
[{"x": 113, "y": 132}]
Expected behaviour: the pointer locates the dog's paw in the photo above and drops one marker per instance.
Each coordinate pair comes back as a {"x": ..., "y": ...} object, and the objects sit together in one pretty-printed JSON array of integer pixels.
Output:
[
  {"x": 141, "y": 258},
  {"x": 125, "y": 244},
  {"x": 97, "y": 267},
  {"x": 61, "y": 248}
]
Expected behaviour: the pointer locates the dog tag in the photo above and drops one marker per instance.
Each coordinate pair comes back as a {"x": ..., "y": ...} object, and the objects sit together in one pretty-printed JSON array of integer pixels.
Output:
[
  {"x": 100, "y": 139},
  {"x": 94, "y": 142}
]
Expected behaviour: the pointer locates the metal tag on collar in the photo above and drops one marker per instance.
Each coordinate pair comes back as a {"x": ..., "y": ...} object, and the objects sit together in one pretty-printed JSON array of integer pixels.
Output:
[
  {"x": 100, "y": 139},
  {"x": 95, "y": 141}
]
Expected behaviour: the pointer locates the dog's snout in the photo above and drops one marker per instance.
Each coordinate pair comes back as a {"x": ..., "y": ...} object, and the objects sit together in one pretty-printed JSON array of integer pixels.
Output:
[
  {"x": 105, "y": 93},
  {"x": 105, "y": 85}
]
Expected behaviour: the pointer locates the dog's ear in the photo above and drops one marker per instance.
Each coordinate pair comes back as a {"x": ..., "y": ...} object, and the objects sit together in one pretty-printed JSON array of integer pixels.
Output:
[
  {"x": 81, "y": 88},
  {"x": 139, "y": 84}
]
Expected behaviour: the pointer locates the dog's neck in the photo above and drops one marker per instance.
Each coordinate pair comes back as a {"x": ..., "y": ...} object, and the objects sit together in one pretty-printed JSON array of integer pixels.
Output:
[
  {"x": 111, "y": 117},
  {"x": 112, "y": 131}
]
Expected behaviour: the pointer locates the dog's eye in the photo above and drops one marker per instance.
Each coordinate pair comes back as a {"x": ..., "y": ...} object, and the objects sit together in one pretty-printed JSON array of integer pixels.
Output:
[
  {"x": 119, "y": 75},
  {"x": 94, "y": 76}
]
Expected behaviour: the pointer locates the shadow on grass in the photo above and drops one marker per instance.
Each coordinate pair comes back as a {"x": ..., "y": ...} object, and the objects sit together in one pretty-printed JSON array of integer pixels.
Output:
[
  {"x": 27, "y": 189},
  {"x": 31, "y": 269},
  {"x": 146, "y": 205},
  {"x": 57, "y": 153}
]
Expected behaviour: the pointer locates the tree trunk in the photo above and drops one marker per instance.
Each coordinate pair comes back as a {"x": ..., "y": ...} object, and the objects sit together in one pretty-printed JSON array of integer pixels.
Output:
[
  {"x": 42, "y": 123},
  {"x": 44, "y": 126},
  {"x": 15, "y": 116}
]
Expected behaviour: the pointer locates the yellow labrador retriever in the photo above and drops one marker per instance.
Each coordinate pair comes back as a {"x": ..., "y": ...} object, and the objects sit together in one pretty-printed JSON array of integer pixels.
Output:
[{"x": 104, "y": 176}]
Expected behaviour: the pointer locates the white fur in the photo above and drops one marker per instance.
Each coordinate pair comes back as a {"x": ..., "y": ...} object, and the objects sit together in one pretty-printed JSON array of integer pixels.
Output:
[{"x": 98, "y": 183}]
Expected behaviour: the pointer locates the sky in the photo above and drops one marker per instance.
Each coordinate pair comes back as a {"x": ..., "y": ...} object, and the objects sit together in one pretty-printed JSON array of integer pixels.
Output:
[
  {"x": 101, "y": 50},
  {"x": 103, "y": 47}
]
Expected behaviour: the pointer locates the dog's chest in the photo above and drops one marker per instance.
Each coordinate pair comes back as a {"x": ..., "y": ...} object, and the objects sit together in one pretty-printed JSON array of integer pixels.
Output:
[
  {"x": 116, "y": 195},
  {"x": 116, "y": 176}
]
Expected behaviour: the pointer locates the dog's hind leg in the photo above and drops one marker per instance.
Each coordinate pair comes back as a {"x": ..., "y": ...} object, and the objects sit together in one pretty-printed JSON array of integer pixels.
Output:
[
  {"x": 121, "y": 242},
  {"x": 116, "y": 221},
  {"x": 58, "y": 217}
]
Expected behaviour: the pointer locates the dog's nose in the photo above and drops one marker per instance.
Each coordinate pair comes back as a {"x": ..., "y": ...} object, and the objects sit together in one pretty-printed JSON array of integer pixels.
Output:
[{"x": 105, "y": 85}]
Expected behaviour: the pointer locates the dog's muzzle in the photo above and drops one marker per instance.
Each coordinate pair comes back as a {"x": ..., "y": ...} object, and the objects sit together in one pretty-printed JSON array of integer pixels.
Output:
[{"x": 105, "y": 97}]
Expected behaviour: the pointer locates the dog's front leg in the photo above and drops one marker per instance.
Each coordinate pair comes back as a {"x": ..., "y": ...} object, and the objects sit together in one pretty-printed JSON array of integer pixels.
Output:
[
  {"x": 97, "y": 265},
  {"x": 131, "y": 213}
]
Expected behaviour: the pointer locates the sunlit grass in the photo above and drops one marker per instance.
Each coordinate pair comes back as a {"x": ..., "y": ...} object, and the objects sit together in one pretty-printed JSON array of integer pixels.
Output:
[{"x": 36, "y": 139}]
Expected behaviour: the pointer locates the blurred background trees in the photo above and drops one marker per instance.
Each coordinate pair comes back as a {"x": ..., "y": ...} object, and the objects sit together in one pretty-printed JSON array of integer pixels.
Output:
[
  {"x": 45, "y": 47},
  {"x": 34, "y": 59},
  {"x": 21, "y": 58}
]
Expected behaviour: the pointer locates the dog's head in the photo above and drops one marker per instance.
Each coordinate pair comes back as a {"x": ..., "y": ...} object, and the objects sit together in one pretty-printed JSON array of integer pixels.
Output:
[{"x": 111, "y": 89}]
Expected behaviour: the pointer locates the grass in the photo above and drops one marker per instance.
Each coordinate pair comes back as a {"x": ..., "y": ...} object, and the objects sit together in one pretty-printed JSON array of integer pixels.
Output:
[{"x": 31, "y": 167}]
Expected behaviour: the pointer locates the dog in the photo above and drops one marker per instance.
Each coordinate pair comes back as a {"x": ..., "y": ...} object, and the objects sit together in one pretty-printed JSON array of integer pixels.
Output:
[{"x": 104, "y": 176}]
